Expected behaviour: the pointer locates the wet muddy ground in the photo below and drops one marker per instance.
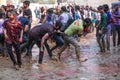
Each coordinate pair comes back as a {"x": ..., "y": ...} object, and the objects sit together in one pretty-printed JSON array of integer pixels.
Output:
[{"x": 98, "y": 67}]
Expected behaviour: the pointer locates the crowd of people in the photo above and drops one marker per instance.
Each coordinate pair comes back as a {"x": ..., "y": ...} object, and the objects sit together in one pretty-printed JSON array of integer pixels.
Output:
[{"x": 63, "y": 24}]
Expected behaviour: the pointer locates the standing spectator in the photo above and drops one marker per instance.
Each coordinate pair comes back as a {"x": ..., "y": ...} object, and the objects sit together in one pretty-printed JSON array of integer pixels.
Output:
[
  {"x": 63, "y": 18},
  {"x": 3, "y": 10},
  {"x": 88, "y": 12},
  {"x": 25, "y": 24},
  {"x": 27, "y": 10},
  {"x": 50, "y": 17},
  {"x": 37, "y": 13},
  {"x": 102, "y": 29},
  {"x": 1, "y": 35},
  {"x": 43, "y": 13},
  {"x": 109, "y": 24},
  {"x": 11, "y": 28},
  {"x": 116, "y": 27},
  {"x": 77, "y": 12}
]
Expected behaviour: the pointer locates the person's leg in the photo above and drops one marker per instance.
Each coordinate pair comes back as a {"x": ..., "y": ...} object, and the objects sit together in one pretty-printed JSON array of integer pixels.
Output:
[
  {"x": 23, "y": 46},
  {"x": 118, "y": 30},
  {"x": 2, "y": 44},
  {"x": 41, "y": 52},
  {"x": 75, "y": 43},
  {"x": 62, "y": 49},
  {"x": 114, "y": 34},
  {"x": 18, "y": 54},
  {"x": 98, "y": 37},
  {"x": 12, "y": 57},
  {"x": 29, "y": 46},
  {"x": 108, "y": 37},
  {"x": 99, "y": 43},
  {"x": 48, "y": 49},
  {"x": 103, "y": 42},
  {"x": 5, "y": 50},
  {"x": 59, "y": 41}
]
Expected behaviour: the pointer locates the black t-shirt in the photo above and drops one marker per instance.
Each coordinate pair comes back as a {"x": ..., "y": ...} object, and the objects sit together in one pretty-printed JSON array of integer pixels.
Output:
[
  {"x": 39, "y": 31},
  {"x": 28, "y": 13}
]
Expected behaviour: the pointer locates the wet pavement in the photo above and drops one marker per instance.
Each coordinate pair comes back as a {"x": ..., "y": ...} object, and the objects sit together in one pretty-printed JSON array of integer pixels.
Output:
[{"x": 97, "y": 67}]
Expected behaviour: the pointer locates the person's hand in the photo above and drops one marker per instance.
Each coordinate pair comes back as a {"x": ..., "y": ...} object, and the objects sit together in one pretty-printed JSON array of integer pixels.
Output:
[
  {"x": 20, "y": 40},
  {"x": 26, "y": 28},
  {"x": 6, "y": 36},
  {"x": 76, "y": 22},
  {"x": 100, "y": 32}
]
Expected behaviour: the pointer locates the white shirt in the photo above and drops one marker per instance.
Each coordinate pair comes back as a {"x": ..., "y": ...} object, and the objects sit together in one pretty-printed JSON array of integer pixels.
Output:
[{"x": 64, "y": 18}]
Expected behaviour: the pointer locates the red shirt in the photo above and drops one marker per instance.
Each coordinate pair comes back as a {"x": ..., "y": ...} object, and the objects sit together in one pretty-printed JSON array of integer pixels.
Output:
[{"x": 12, "y": 31}]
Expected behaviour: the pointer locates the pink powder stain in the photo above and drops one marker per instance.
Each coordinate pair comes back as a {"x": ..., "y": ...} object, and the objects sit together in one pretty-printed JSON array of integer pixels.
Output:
[{"x": 67, "y": 72}]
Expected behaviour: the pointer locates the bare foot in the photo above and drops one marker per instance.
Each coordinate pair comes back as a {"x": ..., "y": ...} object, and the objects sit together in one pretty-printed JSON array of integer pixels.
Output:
[
  {"x": 30, "y": 59},
  {"x": 57, "y": 58},
  {"x": 16, "y": 67},
  {"x": 82, "y": 60},
  {"x": 20, "y": 66},
  {"x": 40, "y": 65},
  {"x": 7, "y": 58}
]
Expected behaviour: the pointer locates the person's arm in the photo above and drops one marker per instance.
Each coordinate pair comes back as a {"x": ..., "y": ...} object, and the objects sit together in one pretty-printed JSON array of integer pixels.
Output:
[
  {"x": 44, "y": 38},
  {"x": 44, "y": 19},
  {"x": 117, "y": 16},
  {"x": 21, "y": 35},
  {"x": 5, "y": 33},
  {"x": 4, "y": 29},
  {"x": 27, "y": 26}
]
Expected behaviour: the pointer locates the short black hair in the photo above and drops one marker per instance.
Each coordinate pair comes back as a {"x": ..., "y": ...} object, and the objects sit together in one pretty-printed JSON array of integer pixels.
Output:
[
  {"x": 50, "y": 10},
  {"x": 4, "y": 7},
  {"x": 106, "y": 7},
  {"x": 87, "y": 22},
  {"x": 100, "y": 8},
  {"x": 27, "y": 2},
  {"x": 58, "y": 25},
  {"x": 12, "y": 6},
  {"x": 1, "y": 15},
  {"x": 64, "y": 8},
  {"x": 13, "y": 12},
  {"x": 77, "y": 7}
]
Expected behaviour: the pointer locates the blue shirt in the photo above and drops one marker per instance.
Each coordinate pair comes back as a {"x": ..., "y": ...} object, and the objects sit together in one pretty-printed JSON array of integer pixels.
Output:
[{"x": 24, "y": 21}]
